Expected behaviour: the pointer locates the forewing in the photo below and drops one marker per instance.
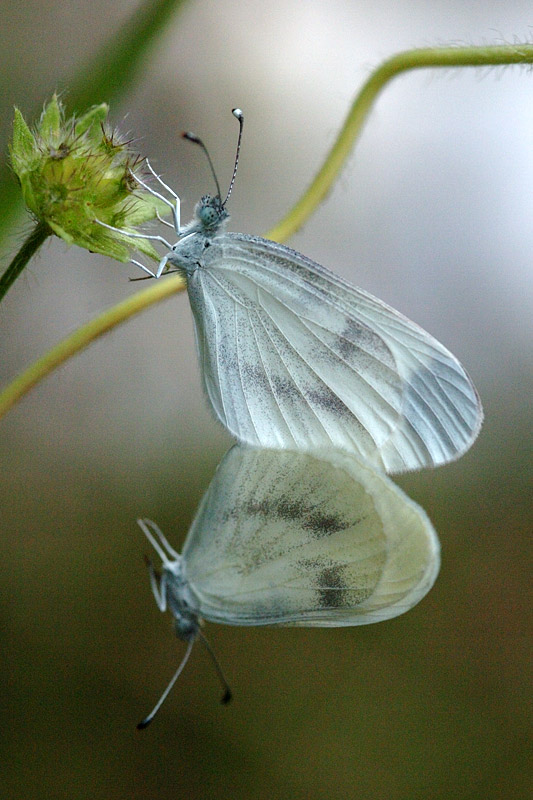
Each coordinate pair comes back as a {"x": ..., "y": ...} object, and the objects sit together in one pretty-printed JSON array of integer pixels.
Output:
[
  {"x": 292, "y": 356},
  {"x": 293, "y": 538}
]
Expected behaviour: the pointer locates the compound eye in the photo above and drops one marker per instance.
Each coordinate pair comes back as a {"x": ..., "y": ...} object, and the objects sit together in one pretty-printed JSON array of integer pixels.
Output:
[{"x": 208, "y": 216}]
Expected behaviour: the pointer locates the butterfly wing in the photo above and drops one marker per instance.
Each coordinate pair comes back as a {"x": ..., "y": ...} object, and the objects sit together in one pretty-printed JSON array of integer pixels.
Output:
[
  {"x": 293, "y": 356},
  {"x": 297, "y": 539}
]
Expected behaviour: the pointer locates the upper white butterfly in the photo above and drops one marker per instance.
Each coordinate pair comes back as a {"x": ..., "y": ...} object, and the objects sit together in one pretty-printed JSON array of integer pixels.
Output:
[{"x": 292, "y": 356}]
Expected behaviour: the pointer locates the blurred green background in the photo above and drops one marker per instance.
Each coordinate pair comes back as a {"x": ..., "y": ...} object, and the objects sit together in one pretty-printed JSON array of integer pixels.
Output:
[{"x": 433, "y": 214}]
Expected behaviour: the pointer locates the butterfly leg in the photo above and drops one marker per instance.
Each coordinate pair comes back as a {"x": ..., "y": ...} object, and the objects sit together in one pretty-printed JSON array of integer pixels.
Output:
[
  {"x": 161, "y": 267},
  {"x": 144, "y": 269},
  {"x": 163, "y": 221},
  {"x": 133, "y": 235},
  {"x": 175, "y": 206},
  {"x": 158, "y": 589}
]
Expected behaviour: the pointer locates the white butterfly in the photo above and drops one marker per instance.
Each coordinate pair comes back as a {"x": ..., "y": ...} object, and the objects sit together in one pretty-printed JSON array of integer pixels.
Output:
[
  {"x": 291, "y": 538},
  {"x": 292, "y": 356}
]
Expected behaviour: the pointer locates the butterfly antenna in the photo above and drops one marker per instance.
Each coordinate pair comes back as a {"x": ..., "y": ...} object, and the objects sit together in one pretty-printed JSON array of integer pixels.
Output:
[
  {"x": 237, "y": 113},
  {"x": 147, "y": 720},
  {"x": 226, "y": 697},
  {"x": 192, "y": 137}
]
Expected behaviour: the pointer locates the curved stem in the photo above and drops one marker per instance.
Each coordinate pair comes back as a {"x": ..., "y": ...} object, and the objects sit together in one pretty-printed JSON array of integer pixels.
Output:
[
  {"x": 430, "y": 57},
  {"x": 28, "y": 249},
  {"x": 85, "y": 335}
]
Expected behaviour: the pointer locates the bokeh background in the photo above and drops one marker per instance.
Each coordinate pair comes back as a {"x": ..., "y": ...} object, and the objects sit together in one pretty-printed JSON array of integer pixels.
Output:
[{"x": 433, "y": 214}]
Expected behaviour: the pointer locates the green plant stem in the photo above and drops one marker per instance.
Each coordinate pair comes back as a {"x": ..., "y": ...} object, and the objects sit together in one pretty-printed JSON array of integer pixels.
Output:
[
  {"x": 430, "y": 57},
  {"x": 85, "y": 335},
  {"x": 28, "y": 249},
  {"x": 119, "y": 61},
  {"x": 411, "y": 59}
]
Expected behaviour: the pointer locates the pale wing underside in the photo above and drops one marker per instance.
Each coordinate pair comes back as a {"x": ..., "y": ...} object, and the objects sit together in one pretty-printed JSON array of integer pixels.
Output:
[
  {"x": 292, "y": 356},
  {"x": 298, "y": 539}
]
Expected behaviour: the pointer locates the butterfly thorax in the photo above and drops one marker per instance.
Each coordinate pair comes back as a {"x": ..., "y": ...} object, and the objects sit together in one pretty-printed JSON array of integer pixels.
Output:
[
  {"x": 180, "y": 601},
  {"x": 209, "y": 220}
]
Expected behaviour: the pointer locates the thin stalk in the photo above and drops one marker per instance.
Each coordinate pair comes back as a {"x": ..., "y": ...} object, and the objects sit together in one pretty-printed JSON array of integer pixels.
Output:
[
  {"x": 430, "y": 57},
  {"x": 85, "y": 335},
  {"x": 38, "y": 235},
  {"x": 113, "y": 70}
]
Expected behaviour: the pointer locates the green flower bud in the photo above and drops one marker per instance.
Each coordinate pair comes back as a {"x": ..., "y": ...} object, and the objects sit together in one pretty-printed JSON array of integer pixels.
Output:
[{"x": 73, "y": 172}]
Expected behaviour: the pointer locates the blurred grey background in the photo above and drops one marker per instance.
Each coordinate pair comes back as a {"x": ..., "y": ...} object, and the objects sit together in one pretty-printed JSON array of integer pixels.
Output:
[{"x": 432, "y": 214}]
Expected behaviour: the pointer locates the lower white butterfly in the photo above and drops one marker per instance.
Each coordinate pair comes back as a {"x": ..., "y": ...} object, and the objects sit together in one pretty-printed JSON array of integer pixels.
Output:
[
  {"x": 287, "y": 538},
  {"x": 292, "y": 356}
]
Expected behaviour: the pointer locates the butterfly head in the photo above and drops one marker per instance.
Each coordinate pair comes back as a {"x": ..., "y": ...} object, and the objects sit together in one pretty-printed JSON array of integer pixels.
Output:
[
  {"x": 169, "y": 586},
  {"x": 180, "y": 601},
  {"x": 186, "y": 625},
  {"x": 210, "y": 214}
]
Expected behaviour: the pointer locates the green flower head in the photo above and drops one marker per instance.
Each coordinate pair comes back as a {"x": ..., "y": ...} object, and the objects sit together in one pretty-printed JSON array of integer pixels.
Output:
[{"x": 75, "y": 171}]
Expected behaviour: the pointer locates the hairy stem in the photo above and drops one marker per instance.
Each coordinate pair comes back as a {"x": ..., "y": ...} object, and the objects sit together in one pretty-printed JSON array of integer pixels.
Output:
[
  {"x": 430, "y": 57},
  {"x": 38, "y": 235},
  {"x": 85, "y": 335}
]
